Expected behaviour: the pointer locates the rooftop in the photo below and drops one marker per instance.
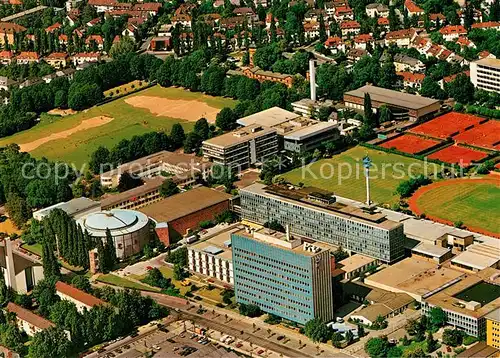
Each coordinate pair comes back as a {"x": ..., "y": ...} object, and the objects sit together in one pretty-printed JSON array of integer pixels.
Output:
[
  {"x": 239, "y": 136},
  {"x": 478, "y": 256},
  {"x": 322, "y": 200},
  {"x": 355, "y": 262},
  {"x": 29, "y": 316},
  {"x": 78, "y": 295},
  {"x": 481, "y": 349},
  {"x": 118, "y": 221},
  {"x": 413, "y": 276},
  {"x": 311, "y": 130},
  {"x": 220, "y": 242},
  {"x": 447, "y": 299},
  {"x": 490, "y": 62},
  {"x": 185, "y": 203},
  {"x": 149, "y": 186},
  {"x": 432, "y": 250},
  {"x": 269, "y": 117},
  {"x": 72, "y": 207},
  {"x": 391, "y": 97}
]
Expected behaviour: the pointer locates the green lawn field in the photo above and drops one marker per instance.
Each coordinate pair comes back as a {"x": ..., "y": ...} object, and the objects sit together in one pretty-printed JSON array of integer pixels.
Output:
[
  {"x": 475, "y": 204},
  {"x": 128, "y": 121},
  {"x": 343, "y": 174}
]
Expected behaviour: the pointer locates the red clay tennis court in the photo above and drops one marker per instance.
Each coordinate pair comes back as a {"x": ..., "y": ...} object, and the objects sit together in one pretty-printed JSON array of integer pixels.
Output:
[
  {"x": 458, "y": 155},
  {"x": 410, "y": 144},
  {"x": 486, "y": 135},
  {"x": 447, "y": 125}
]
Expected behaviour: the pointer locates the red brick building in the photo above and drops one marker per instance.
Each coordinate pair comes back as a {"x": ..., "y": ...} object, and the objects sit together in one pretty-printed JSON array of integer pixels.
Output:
[{"x": 177, "y": 215}]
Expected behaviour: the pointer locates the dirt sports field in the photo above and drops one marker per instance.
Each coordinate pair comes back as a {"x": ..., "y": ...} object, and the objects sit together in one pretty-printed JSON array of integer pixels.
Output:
[
  {"x": 175, "y": 108},
  {"x": 411, "y": 144},
  {"x": 447, "y": 125},
  {"x": 73, "y": 138},
  {"x": 474, "y": 201}
]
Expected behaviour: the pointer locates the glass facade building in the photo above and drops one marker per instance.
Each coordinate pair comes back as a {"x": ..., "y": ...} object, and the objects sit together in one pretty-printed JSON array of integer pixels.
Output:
[
  {"x": 291, "y": 282},
  {"x": 364, "y": 233}
]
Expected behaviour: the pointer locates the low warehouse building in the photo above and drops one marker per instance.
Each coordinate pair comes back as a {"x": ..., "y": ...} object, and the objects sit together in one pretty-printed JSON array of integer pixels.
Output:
[
  {"x": 130, "y": 229},
  {"x": 178, "y": 214}
]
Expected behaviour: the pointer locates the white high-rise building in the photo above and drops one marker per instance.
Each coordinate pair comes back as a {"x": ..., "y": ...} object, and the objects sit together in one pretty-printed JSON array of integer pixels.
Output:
[{"x": 485, "y": 74}]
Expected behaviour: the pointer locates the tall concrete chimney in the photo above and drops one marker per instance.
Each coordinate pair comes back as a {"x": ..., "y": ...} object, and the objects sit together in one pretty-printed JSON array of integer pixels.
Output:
[{"x": 312, "y": 79}]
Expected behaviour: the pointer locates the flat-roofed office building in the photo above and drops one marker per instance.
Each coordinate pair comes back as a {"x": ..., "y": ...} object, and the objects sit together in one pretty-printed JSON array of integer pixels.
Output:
[
  {"x": 243, "y": 147},
  {"x": 282, "y": 275},
  {"x": 485, "y": 74},
  {"x": 313, "y": 213},
  {"x": 403, "y": 106}
]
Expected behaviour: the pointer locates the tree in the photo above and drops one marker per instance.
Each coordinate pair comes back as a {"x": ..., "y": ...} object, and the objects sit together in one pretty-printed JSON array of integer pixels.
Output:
[
  {"x": 224, "y": 175},
  {"x": 377, "y": 347},
  {"x": 270, "y": 169},
  {"x": 178, "y": 272},
  {"x": 438, "y": 317},
  {"x": 380, "y": 322},
  {"x": 99, "y": 160},
  {"x": 168, "y": 188},
  {"x": 12, "y": 337},
  {"x": 337, "y": 338},
  {"x": 202, "y": 128},
  {"x": 4, "y": 291},
  {"x": 385, "y": 114},
  {"x": 317, "y": 330},
  {"x": 322, "y": 29},
  {"x": 18, "y": 209},
  {"x": 123, "y": 47},
  {"x": 250, "y": 310},
  {"x": 177, "y": 135},
  {"x": 462, "y": 89},
  {"x": 418, "y": 352},
  {"x": 361, "y": 331},
  {"x": 431, "y": 342},
  {"x": 225, "y": 119},
  {"x": 212, "y": 80},
  {"x": 82, "y": 283},
  {"x": 388, "y": 77},
  {"x": 45, "y": 295},
  {"x": 369, "y": 115},
  {"x": 179, "y": 256},
  {"x": 394, "y": 352},
  {"x": 452, "y": 337},
  {"x": 85, "y": 95},
  {"x": 192, "y": 143},
  {"x": 51, "y": 267},
  {"x": 49, "y": 343},
  {"x": 349, "y": 336},
  {"x": 340, "y": 254},
  {"x": 128, "y": 182},
  {"x": 110, "y": 250}
]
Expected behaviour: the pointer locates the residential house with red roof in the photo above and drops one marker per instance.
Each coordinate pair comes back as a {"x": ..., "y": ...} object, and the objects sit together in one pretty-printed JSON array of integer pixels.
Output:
[
  {"x": 485, "y": 54},
  {"x": 344, "y": 13},
  {"x": 97, "y": 39},
  {"x": 402, "y": 38},
  {"x": 8, "y": 30},
  {"x": 28, "y": 321},
  {"x": 63, "y": 39},
  {"x": 413, "y": 9},
  {"x": 410, "y": 80},
  {"x": 335, "y": 44},
  {"x": 350, "y": 27},
  {"x": 94, "y": 22},
  {"x": 152, "y": 8},
  {"x": 463, "y": 41},
  {"x": 57, "y": 60},
  {"x": 27, "y": 57},
  {"x": 362, "y": 40},
  {"x": 81, "y": 299},
  {"x": 183, "y": 19},
  {"x": 6, "y": 57},
  {"x": 452, "y": 32},
  {"x": 52, "y": 28},
  {"x": 86, "y": 57},
  {"x": 383, "y": 22}
]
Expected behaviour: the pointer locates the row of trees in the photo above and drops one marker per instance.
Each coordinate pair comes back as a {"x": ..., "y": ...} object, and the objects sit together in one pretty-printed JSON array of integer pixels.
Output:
[{"x": 126, "y": 310}]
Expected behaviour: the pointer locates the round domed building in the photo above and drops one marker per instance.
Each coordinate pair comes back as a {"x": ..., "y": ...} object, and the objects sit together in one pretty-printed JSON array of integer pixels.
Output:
[{"x": 129, "y": 228}]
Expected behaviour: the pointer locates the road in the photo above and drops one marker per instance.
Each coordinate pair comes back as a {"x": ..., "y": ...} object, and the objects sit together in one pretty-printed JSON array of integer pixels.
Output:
[{"x": 255, "y": 331}]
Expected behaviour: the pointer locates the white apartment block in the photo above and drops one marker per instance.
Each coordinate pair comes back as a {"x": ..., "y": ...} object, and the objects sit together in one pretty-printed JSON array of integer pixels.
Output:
[{"x": 485, "y": 74}]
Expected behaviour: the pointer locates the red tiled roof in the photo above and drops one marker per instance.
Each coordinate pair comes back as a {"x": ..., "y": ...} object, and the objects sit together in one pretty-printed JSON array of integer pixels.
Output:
[
  {"x": 363, "y": 38},
  {"x": 102, "y": 2},
  {"x": 78, "y": 295},
  {"x": 439, "y": 16},
  {"x": 411, "y": 77},
  {"x": 6, "y": 54},
  {"x": 54, "y": 27},
  {"x": 10, "y": 28},
  {"x": 484, "y": 54},
  {"x": 453, "y": 29},
  {"x": 350, "y": 25},
  {"x": 383, "y": 21},
  {"x": 333, "y": 41},
  {"x": 28, "y": 316},
  {"x": 63, "y": 37},
  {"x": 148, "y": 6},
  {"x": 28, "y": 55},
  {"x": 343, "y": 10},
  {"x": 88, "y": 54},
  {"x": 449, "y": 79},
  {"x": 399, "y": 34},
  {"x": 412, "y": 7},
  {"x": 485, "y": 25},
  {"x": 97, "y": 38},
  {"x": 463, "y": 41},
  {"x": 57, "y": 56}
]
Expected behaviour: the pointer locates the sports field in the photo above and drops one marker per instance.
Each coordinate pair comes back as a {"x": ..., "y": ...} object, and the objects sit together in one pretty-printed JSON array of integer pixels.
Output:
[
  {"x": 460, "y": 155},
  {"x": 343, "y": 174},
  {"x": 447, "y": 125},
  {"x": 475, "y": 202},
  {"x": 486, "y": 135},
  {"x": 411, "y": 144},
  {"x": 73, "y": 138}
]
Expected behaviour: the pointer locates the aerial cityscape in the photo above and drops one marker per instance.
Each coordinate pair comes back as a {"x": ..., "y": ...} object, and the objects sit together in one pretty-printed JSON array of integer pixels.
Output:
[{"x": 250, "y": 178}]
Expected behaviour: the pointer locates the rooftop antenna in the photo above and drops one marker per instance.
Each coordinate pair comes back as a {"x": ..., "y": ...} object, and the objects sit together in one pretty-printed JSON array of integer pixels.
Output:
[{"x": 367, "y": 163}]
